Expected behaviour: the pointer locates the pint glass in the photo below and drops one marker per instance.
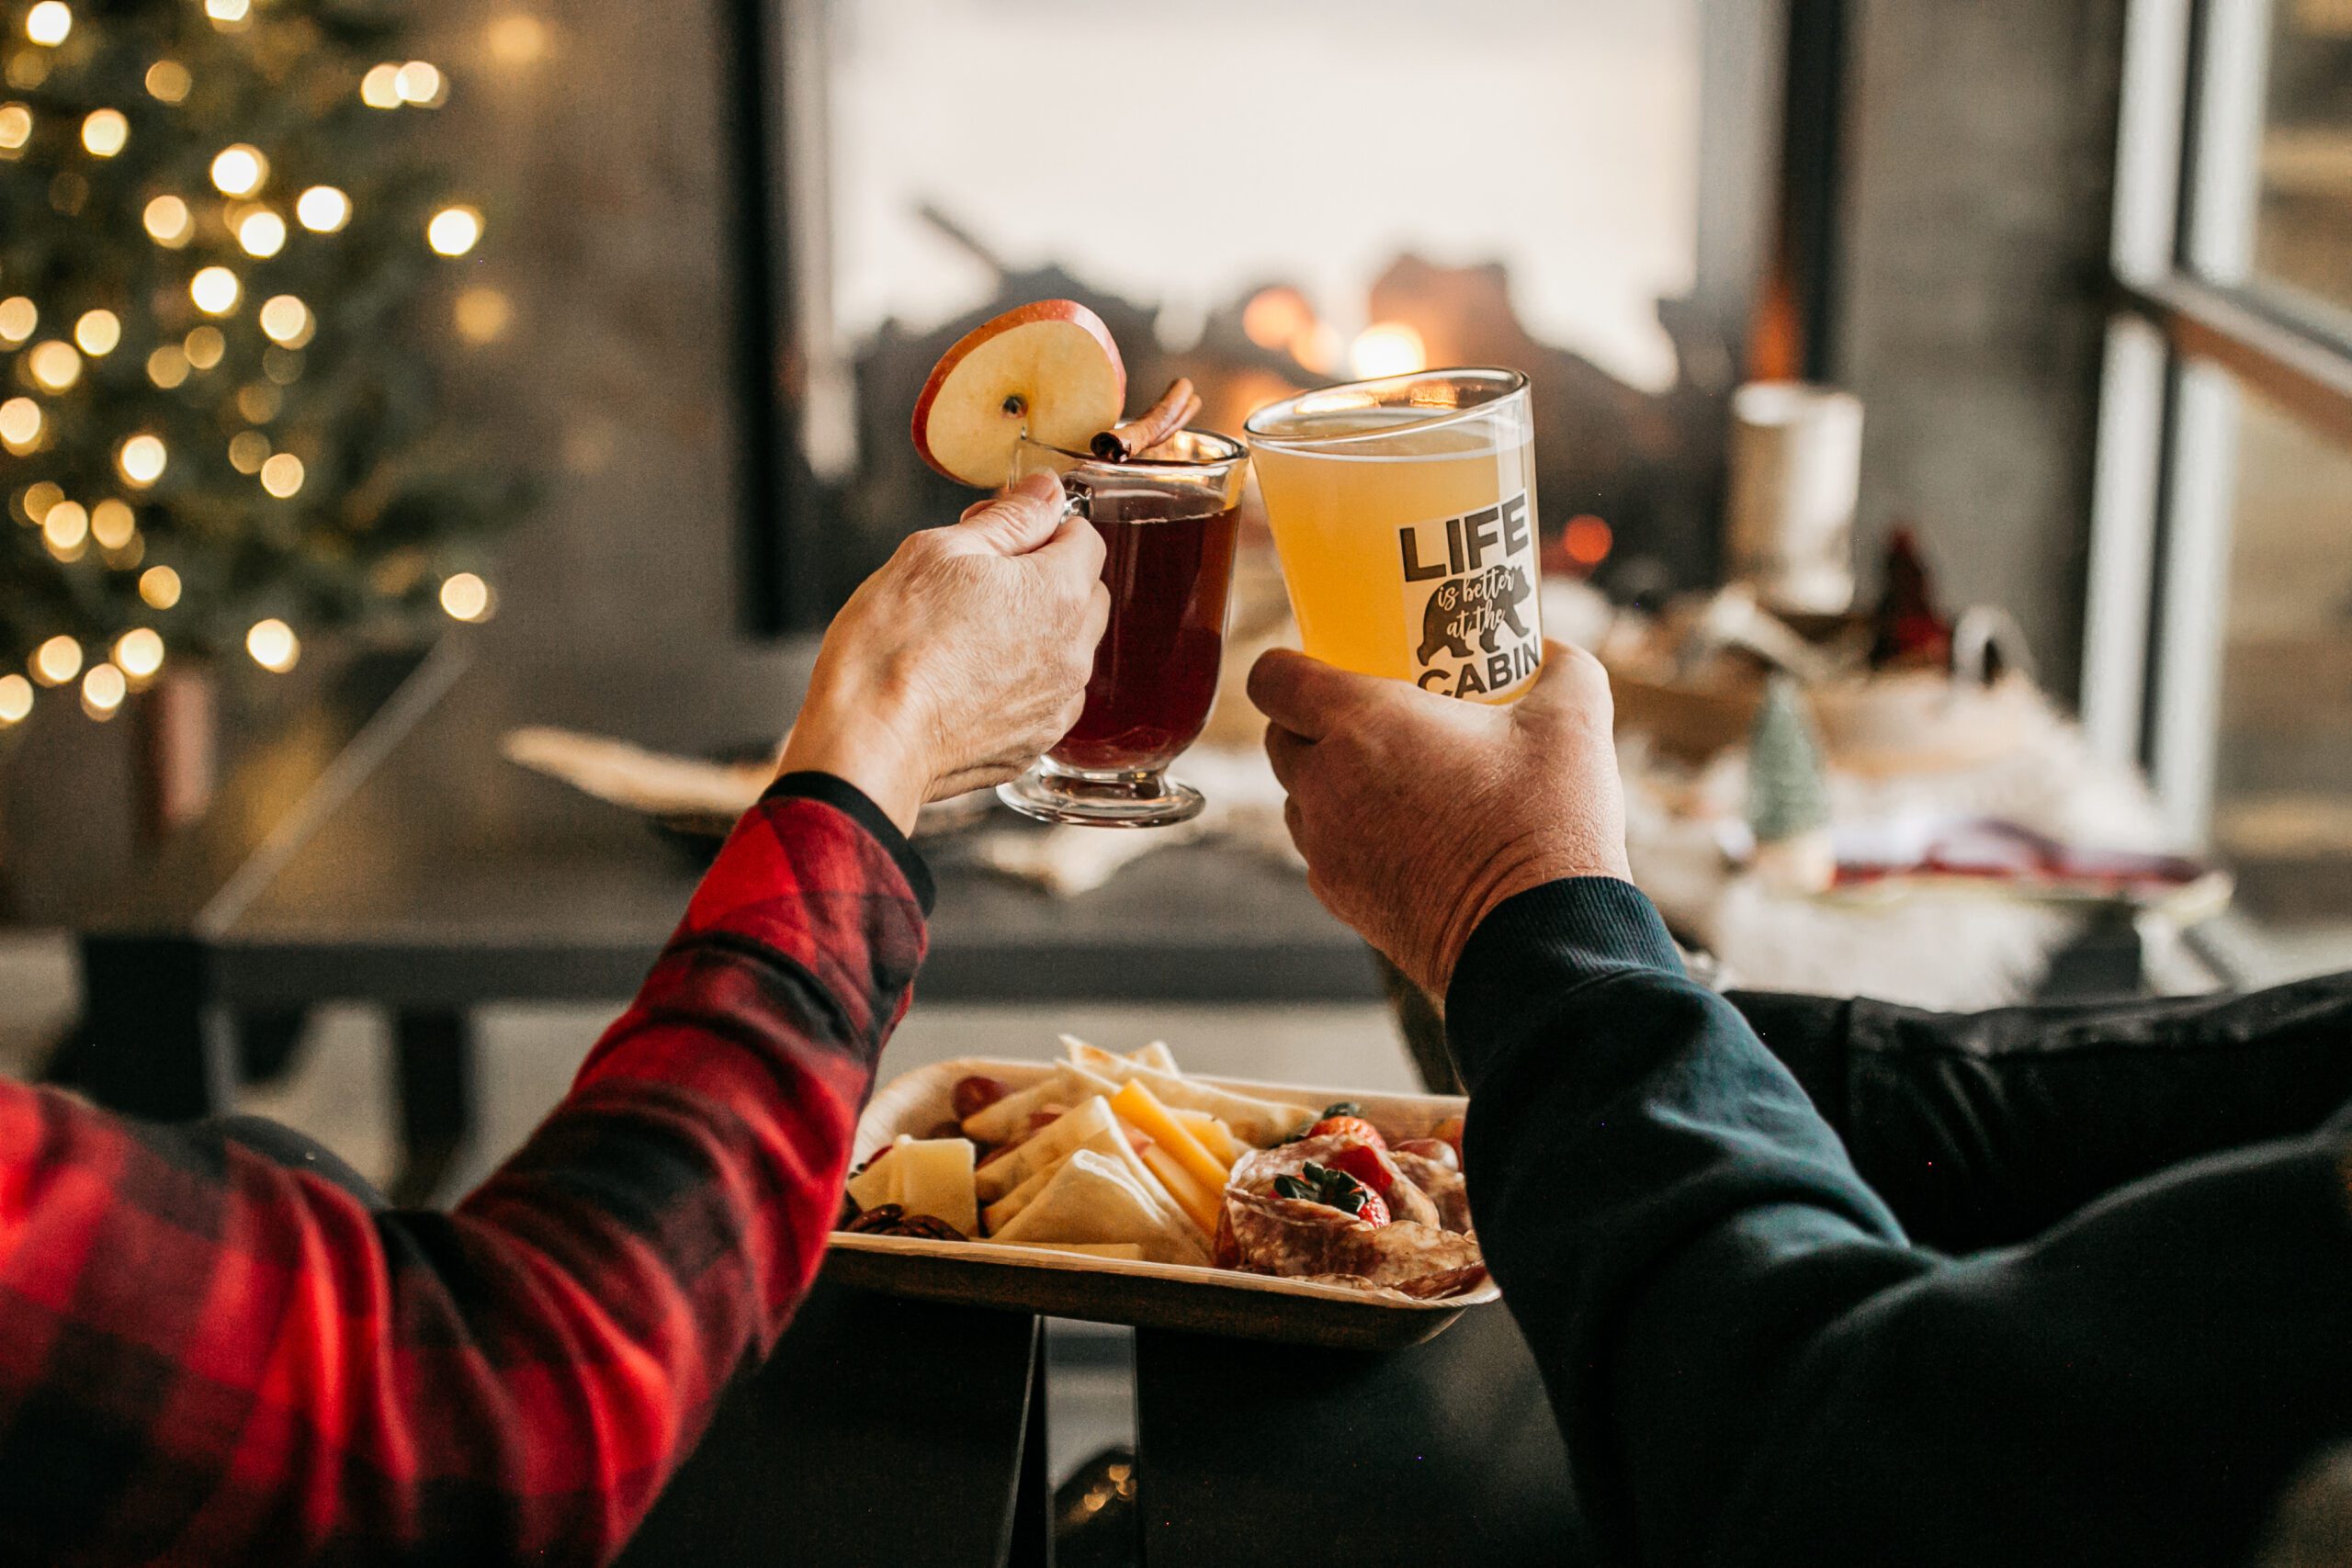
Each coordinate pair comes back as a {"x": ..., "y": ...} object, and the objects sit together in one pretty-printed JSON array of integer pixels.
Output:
[{"x": 1403, "y": 513}]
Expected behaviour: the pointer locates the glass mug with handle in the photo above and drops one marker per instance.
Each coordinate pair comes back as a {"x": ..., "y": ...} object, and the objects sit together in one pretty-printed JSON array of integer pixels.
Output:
[
  {"x": 1403, "y": 511},
  {"x": 1169, "y": 522}
]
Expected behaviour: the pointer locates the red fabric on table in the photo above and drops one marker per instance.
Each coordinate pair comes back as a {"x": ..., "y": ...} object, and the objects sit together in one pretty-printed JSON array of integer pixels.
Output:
[{"x": 207, "y": 1358}]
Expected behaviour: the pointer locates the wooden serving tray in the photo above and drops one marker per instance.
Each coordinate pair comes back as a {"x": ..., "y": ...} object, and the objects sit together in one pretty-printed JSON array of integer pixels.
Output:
[{"x": 1190, "y": 1298}]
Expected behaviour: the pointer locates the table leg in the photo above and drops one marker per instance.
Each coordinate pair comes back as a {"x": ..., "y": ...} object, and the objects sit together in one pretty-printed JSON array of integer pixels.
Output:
[
  {"x": 1252, "y": 1454},
  {"x": 1031, "y": 1544},
  {"x": 881, "y": 1432},
  {"x": 433, "y": 1067},
  {"x": 267, "y": 1039},
  {"x": 150, "y": 1043}
]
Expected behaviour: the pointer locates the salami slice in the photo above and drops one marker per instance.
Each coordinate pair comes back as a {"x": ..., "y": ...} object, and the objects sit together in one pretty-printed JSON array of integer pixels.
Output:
[
  {"x": 1297, "y": 1239},
  {"x": 1289, "y": 1236},
  {"x": 1409, "y": 1205},
  {"x": 1402, "y": 1256},
  {"x": 1446, "y": 1189}
]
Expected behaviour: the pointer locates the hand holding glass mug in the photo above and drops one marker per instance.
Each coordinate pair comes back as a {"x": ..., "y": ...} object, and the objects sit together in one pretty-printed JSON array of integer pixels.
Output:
[{"x": 960, "y": 661}]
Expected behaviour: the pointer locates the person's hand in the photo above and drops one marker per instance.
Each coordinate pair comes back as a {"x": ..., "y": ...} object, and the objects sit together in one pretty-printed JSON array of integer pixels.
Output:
[
  {"x": 1417, "y": 814},
  {"x": 963, "y": 658}
]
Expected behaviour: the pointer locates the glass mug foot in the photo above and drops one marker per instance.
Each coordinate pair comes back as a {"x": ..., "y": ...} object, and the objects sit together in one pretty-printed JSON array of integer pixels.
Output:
[{"x": 1102, "y": 800}]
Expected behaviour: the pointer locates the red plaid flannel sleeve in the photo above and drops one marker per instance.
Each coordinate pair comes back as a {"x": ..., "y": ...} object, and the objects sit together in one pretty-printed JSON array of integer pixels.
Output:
[{"x": 209, "y": 1358}]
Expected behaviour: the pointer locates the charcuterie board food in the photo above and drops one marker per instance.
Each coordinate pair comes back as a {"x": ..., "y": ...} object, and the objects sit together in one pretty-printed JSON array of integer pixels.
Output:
[{"x": 1121, "y": 1189}]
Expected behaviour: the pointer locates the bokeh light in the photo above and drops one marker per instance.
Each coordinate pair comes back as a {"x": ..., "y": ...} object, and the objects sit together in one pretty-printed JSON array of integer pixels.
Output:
[
  {"x": 48, "y": 22},
  {"x": 516, "y": 38},
  {"x": 57, "y": 661},
  {"x": 15, "y": 126},
  {"x": 274, "y": 645},
  {"x": 262, "y": 234},
  {"x": 102, "y": 690},
  {"x": 454, "y": 231},
  {"x": 1387, "y": 348},
  {"x": 140, "y": 652},
  {"x": 169, "y": 222},
  {"x": 204, "y": 347},
  {"x": 98, "y": 332},
  {"x": 1587, "y": 540},
  {"x": 248, "y": 450},
  {"x": 167, "y": 366},
  {"x": 419, "y": 82},
  {"x": 1275, "y": 316},
  {"x": 160, "y": 586},
  {"x": 381, "y": 88},
  {"x": 285, "y": 320},
  {"x": 466, "y": 597},
  {"x": 112, "y": 523},
  {"x": 66, "y": 528},
  {"x": 240, "y": 170},
  {"x": 54, "y": 365},
  {"x": 19, "y": 317},
  {"x": 282, "y": 476},
  {"x": 16, "y": 698},
  {"x": 20, "y": 425},
  {"x": 104, "y": 133},
  {"x": 228, "y": 10},
  {"x": 216, "y": 291},
  {"x": 168, "y": 81},
  {"x": 322, "y": 209},
  {"x": 483, "y": 315},
  {"x": 141, "y": 460}
]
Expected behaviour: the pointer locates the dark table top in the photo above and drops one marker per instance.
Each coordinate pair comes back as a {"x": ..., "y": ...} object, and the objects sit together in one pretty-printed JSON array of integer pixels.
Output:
[{"x": 384, "y": 849}]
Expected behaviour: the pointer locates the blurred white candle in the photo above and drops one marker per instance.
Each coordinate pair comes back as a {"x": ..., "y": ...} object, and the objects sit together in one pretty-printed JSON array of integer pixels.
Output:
[{"x": 1796, "y": 459}]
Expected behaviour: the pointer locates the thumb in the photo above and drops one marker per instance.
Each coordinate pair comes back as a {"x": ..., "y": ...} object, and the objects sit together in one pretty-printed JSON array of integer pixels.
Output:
[
  {"x": 1570, "y": 681},
  {"x": 1017, "y": 522}
]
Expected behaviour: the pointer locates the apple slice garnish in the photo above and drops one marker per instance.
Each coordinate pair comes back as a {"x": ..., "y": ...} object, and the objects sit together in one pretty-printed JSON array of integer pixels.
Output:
[{"x": 1049, "y": 369}]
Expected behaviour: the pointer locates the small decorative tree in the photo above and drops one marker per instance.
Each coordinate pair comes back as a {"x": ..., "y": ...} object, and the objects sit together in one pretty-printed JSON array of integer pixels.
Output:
[
  {"x": 218, "y": 398},
  {"x": 1788, "y": 793}
]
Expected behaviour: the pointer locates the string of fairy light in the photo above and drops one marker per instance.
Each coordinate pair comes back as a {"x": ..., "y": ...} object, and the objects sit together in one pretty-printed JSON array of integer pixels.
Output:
[{"x": 52, "y": 354}]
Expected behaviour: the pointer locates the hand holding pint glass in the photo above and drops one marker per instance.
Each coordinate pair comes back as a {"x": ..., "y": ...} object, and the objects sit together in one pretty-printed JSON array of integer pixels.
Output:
[{"x": 1403, "y": 513}]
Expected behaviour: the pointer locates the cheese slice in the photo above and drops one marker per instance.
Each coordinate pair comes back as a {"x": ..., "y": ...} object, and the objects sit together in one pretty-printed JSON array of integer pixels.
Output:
[
  {"x": 1007, "y": 1121},
  {"x": 1091, "y": 1198},
  {"x": 1259, "y": 1122},
  {"x": 878, "y": 1183},
  {"x": 1110, "y": 1140},
  {"x": 1214, "y": 1134},
  {"x": 935, "y": 1178},
  {"x": 1048, "y": 1146},
  {"x": 1199, "y": 1203},
  {"x": 1140, "y": 1109}
]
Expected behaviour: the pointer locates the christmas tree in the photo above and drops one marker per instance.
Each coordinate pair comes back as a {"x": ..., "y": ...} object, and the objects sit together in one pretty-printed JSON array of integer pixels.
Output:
[
  {"x": 220, "y": 255},
  {"x": 1788, "y": 795}
]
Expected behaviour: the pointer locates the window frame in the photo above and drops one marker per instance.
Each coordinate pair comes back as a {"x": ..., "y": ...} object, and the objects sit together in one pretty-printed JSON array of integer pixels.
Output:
[{"x": 2189, "y": 332}]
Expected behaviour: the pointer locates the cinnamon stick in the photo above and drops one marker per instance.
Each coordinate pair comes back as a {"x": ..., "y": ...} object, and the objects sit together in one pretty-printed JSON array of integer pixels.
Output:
[{"x": 1177, "y": 407}]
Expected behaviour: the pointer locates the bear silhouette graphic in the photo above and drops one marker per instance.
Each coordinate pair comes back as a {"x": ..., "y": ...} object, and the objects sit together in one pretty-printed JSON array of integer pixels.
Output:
[{"x": 1462, "y": 610}]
